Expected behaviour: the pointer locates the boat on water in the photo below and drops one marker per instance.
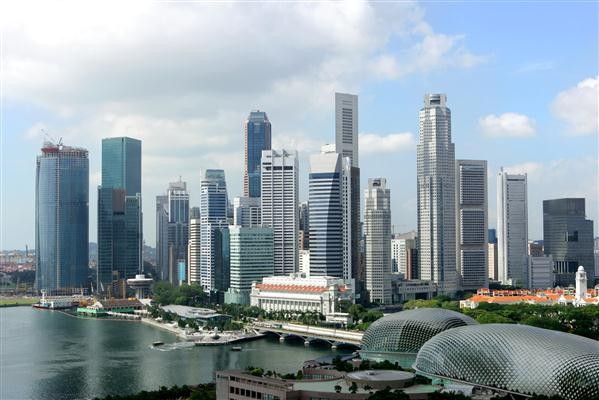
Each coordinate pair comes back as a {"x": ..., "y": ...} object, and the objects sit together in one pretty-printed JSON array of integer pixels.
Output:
[
  {"x": 236, "y": 348},
  {"x": 158, "y": 343}
]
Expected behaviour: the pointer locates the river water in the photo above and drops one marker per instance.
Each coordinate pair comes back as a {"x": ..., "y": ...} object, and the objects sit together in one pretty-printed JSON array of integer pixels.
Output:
[{"x": 50, "y": 355}]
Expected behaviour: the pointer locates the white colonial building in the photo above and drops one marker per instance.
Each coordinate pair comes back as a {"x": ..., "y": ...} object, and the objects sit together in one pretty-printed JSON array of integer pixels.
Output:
[{"x": 299, "y": 293}]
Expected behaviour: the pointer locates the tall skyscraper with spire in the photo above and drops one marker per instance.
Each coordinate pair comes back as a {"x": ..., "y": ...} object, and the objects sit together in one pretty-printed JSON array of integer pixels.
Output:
[
  {"x": 61, "y": 217},
  {"x": 257, "y": 138},
  {"x": 436, "y": 195},
  {"x": 119, "y": 211},
  {"x": 346, "y": 143}
]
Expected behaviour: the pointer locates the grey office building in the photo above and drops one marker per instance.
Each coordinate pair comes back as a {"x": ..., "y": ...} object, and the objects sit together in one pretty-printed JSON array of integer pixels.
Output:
[{"x": 568, "y": 237}]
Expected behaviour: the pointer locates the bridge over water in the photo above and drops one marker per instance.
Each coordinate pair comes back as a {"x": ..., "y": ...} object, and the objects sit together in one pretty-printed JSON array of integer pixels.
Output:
[{"x": 335, "y": 337}]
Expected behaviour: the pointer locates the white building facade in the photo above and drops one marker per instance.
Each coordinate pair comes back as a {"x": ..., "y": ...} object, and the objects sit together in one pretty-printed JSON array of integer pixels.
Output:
[
  {"x": 512, "y": 228},
  {"x": 279, "y": 176},
  {"x": 377, "y": 232},
  {"x": 436, "y": 195},
  {"x": 297, "y": 293}
]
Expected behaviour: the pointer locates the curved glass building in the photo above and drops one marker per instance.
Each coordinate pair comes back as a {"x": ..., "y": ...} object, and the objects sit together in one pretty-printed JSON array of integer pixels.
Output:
[
  {"x": 398, "y": 337},
  {"x": 514, "y": 358},
  {"x": 61, "y": 218}
]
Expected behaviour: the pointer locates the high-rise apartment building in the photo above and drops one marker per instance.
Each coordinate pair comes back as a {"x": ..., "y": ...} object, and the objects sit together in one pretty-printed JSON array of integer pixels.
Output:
[
  {"x": 61, "y": 218},
  {"x": 252, "y": 258},
  {"x": 120, "y": 233},
  {"x": 213, "y": 216},
  {"x": 257, "y": 139},
  {"x": 279, "y": 176},
  {"x": 568, "y": 237},
  {"x": 512, "y": 228},
  {"x": 247, "y": 212},
  {"x": 436, "y": 195},
  {"x": 330, "y": 214},
  {"x": 194, "y": 247},
  {"x": 377, "y": 231},
  {"x": 471, "y": 223},
  {"x": 346, "y": 143}
]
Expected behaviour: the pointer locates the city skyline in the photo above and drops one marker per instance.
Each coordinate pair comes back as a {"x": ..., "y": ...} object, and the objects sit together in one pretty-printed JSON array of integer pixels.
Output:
[{"x": 489, "y": 121}]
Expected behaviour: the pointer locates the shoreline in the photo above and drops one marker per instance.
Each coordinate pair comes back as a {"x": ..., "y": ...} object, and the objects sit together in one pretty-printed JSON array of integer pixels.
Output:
[{"x": 159, "y": 325}]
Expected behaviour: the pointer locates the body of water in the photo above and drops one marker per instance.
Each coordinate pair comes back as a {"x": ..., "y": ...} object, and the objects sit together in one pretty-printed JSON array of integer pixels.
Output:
[{"x": 50, "y": 355}]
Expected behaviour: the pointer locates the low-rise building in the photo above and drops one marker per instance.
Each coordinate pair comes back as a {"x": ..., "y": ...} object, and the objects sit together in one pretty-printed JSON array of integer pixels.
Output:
[
  {"x": 297, "y": 292},
  {"x": 203, "y": 316},
  {"x": 532, "y": 296}
]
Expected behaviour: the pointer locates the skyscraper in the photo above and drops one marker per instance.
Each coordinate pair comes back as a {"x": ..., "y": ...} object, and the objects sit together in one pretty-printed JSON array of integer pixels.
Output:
[
  {"x": 346, "y": 143},
  {"x": 119, "y": 211},
  {"x": 512, "y": 229},
  {"x": 251, "y": 260},
  {"x": 175, "y": 211},
  {"x": 257, "y": 139},
  {"x": 247, "y": 212},
  {"x": 162, "y": 256},
  {"x": 404, "y": 255},
  {"x": 279, "y": 206},
  {"x": 213, "y": 216},
  {"x": 471, "y": 223},
  {"x": 436, "y": 195},
  {"x": 330, "y": 214},
  {"x": 304, "y": 226},
  {"x": 194, "y": 246},
  {"x": 568, "y": 237},
  {"x": 377, "y": 231},
  {"x": 61, "y": 217}
]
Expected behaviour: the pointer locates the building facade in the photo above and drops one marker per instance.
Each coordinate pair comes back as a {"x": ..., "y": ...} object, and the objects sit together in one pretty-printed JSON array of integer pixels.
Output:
[
  {"x": 330, "y": 214},
  {"x": 213, "y": 216},
  {"x": 540, "y": 272},
  {"x": 194, "y": 247},
  {"x": 377, "y": 231},
  {"x": 247, "y": 212},
  {"x": 347, "y": 144},
  {"x": 471, "y": 223},
  {"x": 298, "y": 293},
  {"x": 252, "y": 258},
  {"x": 279, "y": 206},
  {"x": 436, "y": 195},
  {"x": 61, "y": 218},
  {"x": 257, "y": 138},
  {"x": 162, "y": 256},
  {"x": 404, "y": 255},
  {"x": 568, "y": 237},
  {"x": 120, "y": 233},
  {"x": 512, "y": 228}
]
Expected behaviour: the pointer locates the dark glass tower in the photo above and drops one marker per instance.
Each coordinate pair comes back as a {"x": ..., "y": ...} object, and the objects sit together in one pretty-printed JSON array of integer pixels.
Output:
[
  {"x": 257, "y": 138},
  {"x": 568, "y": 237},
  {"x": 61, "y": 218},
  {"x": 119, "y": 211}
]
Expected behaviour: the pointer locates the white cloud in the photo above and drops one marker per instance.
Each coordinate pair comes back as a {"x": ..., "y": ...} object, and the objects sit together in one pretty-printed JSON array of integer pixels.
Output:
[
  {"x": 392, "y": 143},
  {"x": 578, "y": 107},
  {"x": 509, "y": 124},
  {"x": 183, "y": 76},
  {"x": 531, "y": 168}
]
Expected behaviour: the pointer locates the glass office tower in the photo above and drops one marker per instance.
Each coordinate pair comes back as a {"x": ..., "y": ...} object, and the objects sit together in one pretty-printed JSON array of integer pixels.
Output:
[
  {"x": 61, "y": 217},
  {"x": 119, "y": 212},
  {"x": 257, "y": 138}
]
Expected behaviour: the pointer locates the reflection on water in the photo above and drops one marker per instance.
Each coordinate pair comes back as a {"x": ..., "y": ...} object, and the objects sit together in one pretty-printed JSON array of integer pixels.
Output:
[{"x": 49, "y": 355}]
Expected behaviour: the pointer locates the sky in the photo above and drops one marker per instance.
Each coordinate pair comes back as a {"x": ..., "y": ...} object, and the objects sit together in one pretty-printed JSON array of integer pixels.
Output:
[{"x": 521, "y": 78}]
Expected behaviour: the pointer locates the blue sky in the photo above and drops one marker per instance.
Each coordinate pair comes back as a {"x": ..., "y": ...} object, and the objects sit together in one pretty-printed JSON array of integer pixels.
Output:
[{"x": 521, "y": 80}]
